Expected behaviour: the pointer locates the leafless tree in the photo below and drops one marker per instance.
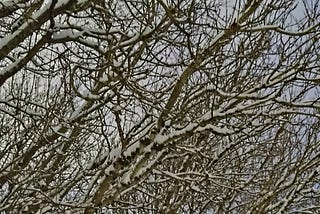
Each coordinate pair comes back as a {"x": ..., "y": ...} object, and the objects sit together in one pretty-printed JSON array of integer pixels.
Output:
[{"x": 159, "y": 106}]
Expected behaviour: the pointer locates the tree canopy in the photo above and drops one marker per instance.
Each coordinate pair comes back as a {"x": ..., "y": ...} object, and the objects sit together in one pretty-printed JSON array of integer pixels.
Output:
[{"x": 159, "y": 106}]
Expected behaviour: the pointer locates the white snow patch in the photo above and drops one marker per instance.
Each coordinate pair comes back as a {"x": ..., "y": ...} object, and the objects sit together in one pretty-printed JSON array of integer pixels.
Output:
[
  {"x": 147, "y": 30},
  {"x": 89, "y": 95},
  {"x": 59, "y": 152},
  {"x": 116, "y": 63},
  {"x": 61, "y": 3},
  {"x": 100, "y": 180},
  {"x": 126, "y": 178},
  {"x": 159, "y": 138},
  {"x": 216, "y": 129},
  {"x": 132, "y": 148},
  {"x": 56, "y": 128},
  {"x": 167, "y": 123},
  {"x": 148, "y": 148},
  {"x": 115, "y": 153},
  {"x": 116, "y": 108},
  {"x": 42, "y": 182},
  {"x": 104, "y": 78},
  {"x": 195, "y": 188},
  {"x": 109, "y": 169},
  {"x": 112, "y": 74}
]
